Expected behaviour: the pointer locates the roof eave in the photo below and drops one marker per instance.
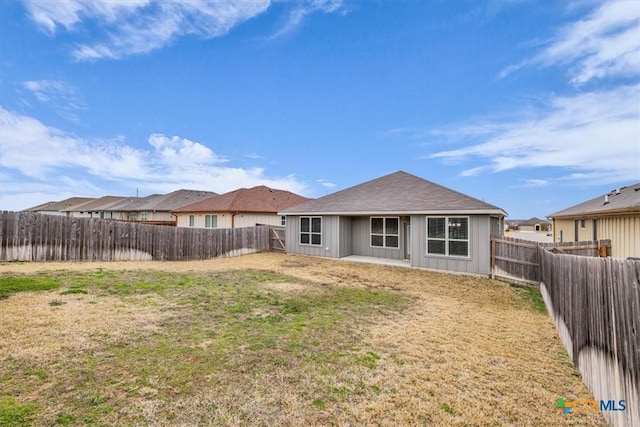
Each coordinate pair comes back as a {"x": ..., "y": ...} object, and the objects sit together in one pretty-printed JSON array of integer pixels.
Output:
[
  {"x": 631, "y": 209},
  {"x": 499, "y": 212}
]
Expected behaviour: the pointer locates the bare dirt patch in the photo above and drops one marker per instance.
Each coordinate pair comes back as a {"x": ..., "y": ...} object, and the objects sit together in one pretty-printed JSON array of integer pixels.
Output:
[{"x": 285, "y": 287}]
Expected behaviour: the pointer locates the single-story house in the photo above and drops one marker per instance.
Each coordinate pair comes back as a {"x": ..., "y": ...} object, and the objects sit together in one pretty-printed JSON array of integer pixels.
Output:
[
  {"x": 59, "y": 208},
  {"x": 614, "y": 215},
  {"x": 531, "y": 224},
  {"x": 157, "y": 208},
  {"x": 398, "y": 216},
  {"x": 245, "y": 207},
  {"x": 94, "y": 208}
]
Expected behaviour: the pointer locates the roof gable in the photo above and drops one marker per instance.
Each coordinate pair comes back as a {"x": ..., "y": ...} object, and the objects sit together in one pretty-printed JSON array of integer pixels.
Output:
[
  {"x": 624, "y": 199},
  {"x": 398, "y": 192},
  {"x": 256, "y": 199}
]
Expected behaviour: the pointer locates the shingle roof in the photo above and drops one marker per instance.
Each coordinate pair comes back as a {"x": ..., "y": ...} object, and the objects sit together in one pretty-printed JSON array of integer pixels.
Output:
[
  {"x": 256, "y": 199},
  {"x": 621, "y": 200},
  {"x": 530, "y": 221},
  {"x": 99, "y": 204},
  {"x": 398, "y": 192},
  {"x": 163, "y": 202},
  {"x": 61, "y": 205}
]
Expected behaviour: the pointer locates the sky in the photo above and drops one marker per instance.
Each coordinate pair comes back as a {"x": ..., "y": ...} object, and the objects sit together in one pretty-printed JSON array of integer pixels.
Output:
[{"x": 533, "y": 106}]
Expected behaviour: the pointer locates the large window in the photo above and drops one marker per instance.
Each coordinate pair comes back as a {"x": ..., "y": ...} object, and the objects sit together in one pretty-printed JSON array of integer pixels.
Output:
[
  {"x": 384, "y": 232},
  {"x": 448, "y": 236},
  {"x": 311, "y": 230},
  {"x": 211, "y": 221}
]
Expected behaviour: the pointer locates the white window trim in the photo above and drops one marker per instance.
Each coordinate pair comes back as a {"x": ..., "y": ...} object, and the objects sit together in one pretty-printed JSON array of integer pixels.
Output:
[
  {"x": 211, "y": 216},
  {"x": 309, "y": 232},
  {"x": 446, "y": 237},
  {"x": 384, "y": 233}
]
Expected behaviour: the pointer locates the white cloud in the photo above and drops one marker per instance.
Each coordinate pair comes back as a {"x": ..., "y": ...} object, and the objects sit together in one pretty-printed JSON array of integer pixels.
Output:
[
  {"x": 140, "y": 26},
  {"x": 167, "y": 164},
  {"x": 325, "y": 183},
  {"x": 593, "y": 134},
  {"x": 62, "y": 96},
  {"x": 605, "y": 44}
]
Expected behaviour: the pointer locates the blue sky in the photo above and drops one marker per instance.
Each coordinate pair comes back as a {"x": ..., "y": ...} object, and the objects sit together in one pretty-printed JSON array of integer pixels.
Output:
[{"x": 533, "y": 106}]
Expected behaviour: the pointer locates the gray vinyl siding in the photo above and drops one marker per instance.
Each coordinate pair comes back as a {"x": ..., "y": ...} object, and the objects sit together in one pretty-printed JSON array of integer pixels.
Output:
[
  {"x": 345, "y": 236},
  {"x": 479, "y": 247},
  {"x": 330, "y": 237},
  {"x": 361, "y": 241}
]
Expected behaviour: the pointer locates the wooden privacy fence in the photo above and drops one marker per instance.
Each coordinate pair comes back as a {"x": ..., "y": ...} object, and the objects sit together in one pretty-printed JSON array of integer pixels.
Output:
[
  {"x": 595, "y": 304},
  {"x": 27, "y": 236},
  {"x": 277, "y": 237},
  {"x": 517, "y": 260}
]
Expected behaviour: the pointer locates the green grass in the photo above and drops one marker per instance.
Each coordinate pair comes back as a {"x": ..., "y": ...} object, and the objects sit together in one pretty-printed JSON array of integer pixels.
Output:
[
  {"x": 13, "y": 285},
  {"x": 226, "y": 332},
  {"x": 531, "y": 296},
  {"x": 15, "y": 414}
]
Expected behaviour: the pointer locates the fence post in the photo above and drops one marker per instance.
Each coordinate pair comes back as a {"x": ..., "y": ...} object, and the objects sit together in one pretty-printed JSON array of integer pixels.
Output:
[{"x": 493, "y": 258}]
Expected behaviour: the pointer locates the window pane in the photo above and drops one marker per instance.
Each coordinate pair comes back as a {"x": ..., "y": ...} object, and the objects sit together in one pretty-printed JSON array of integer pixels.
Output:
[
  {"x": 316, "y": 239},
  {"x": 304, "y": 225},
  {"x": 392, "y": 225},
  {"x": 392, "y": 241},
  {"x": 316, "y": 225},
  {"x": 376, "y": 240},
  {"x": 459, "y": 228},
  {"x": 435, "y": 228},
  {"x": 435, "y": 247},
  {"x": 458, "y": 248},
  {"x": 214, "y": 221},
  {"x": 304, "y": 238},
  {"x": 207, "y": 220},
  {"x": 376, "y": 225},
  {"x": 192, "y": 220}
]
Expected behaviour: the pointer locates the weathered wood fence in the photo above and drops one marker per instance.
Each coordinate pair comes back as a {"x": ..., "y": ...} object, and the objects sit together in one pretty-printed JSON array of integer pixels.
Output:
[
  {"x": 595, "y": 304},
  {"x": 277, "y": 236},
  {"x": 27, "y": 236},
  {"x": 517, "y": 260}
]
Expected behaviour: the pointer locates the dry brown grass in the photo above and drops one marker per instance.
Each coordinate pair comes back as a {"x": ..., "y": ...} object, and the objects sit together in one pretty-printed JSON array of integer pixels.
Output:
[{"x": 468, "y": 351}]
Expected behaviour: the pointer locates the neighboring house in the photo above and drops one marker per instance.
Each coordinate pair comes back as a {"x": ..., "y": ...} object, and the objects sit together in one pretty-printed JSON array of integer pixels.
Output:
[
  {"x": 398, "y": 216},
  {"x": 614, "y": 216},
  {"x": 95, "y": 208},
  {"x": 531, "y": 224},
  {"x": 60, "y": 208},
  {"x": 157, "y": 208},
  {"x": 245, "y": 207}
]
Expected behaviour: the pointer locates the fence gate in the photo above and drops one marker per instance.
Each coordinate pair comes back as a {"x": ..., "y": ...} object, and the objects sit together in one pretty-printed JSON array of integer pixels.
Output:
[{"x": 277, "y": 239}]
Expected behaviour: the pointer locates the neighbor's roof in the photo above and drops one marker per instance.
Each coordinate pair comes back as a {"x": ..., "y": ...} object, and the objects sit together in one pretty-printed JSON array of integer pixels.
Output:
[
  {"x": 163, "y": 202},
  {"x": 256, "y": 199},
  {"x": 61, "y": 205},
  {"x": 398, "y": 193},
  {"x": 618, "y": 201},
  {"x": 94, "y": 205},
  {"x": 530, "y": 221}
]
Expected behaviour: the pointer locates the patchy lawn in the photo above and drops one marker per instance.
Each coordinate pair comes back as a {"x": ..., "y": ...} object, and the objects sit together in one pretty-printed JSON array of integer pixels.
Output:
[{"x": 272, "y": 339}]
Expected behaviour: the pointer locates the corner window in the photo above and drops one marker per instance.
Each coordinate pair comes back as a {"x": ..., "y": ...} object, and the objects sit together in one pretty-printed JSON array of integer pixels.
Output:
[
  {"x": 210, "y": 221},
  {"x": 384, "y": 232},
  {"x": 448, "y": 236},
  {"x": 192, "y": 220},
  {"x": 311, "y": 230}
]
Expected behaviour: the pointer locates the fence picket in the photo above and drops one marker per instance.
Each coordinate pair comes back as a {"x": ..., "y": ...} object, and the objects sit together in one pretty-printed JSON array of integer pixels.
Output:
[{"x": 27, "y": 236}]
